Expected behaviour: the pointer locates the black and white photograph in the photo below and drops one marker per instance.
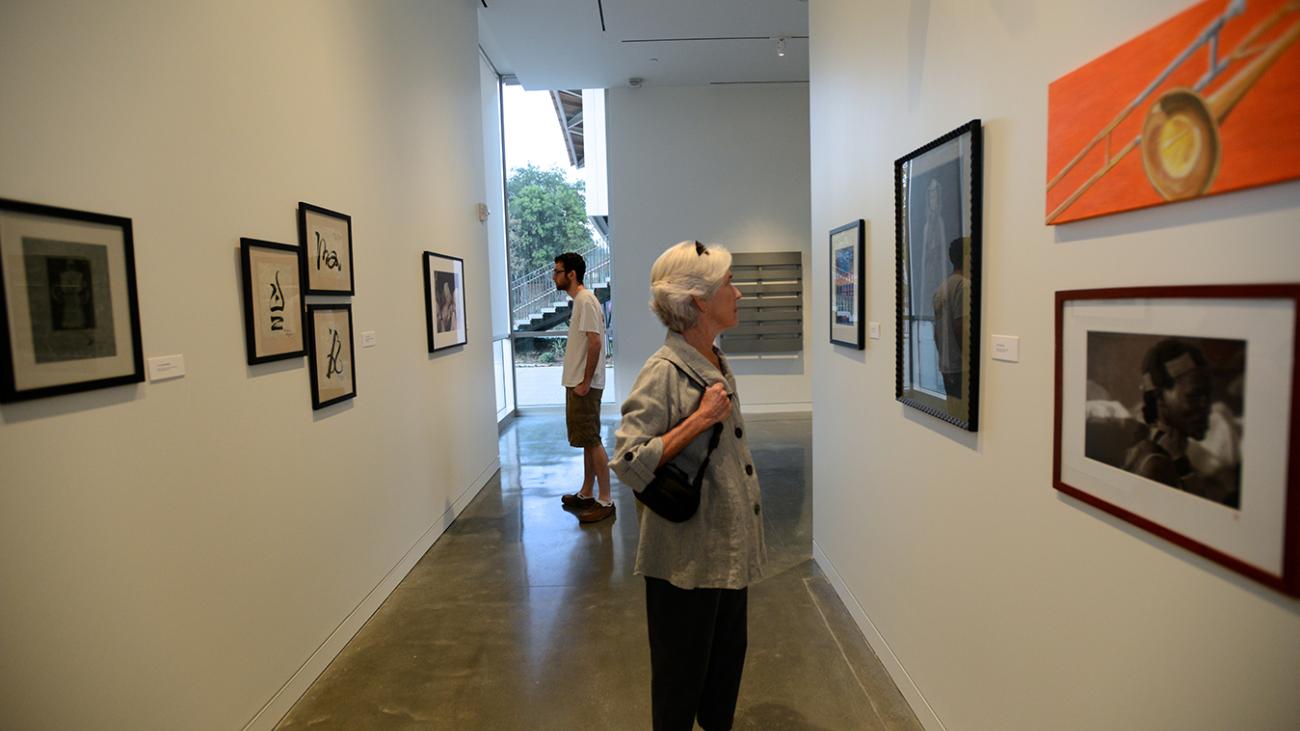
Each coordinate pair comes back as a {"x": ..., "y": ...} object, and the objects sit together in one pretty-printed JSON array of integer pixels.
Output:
[
  {"x": 1169, "y": 409},
  {"x": 444, "y": 301},
  {"x": 1175, "y": 410},
  {"x": 69, "y": 318},
  {"x": 848, "y": 284},
  {"x": 333, "y": 373},
  {"x": 272, "y": 301},
  {"x": 326, "y": 240},
  {"x": 938, "y": 236}
]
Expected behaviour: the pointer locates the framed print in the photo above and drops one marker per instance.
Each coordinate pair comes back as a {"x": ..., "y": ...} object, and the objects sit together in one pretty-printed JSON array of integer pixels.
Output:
[
  {"x": 937, "y": 234},
  {"x": 848, "y": 282},
  {"x": 1202, "y": 104},
  {"x": 272, "y": 301},
  {"x": 333, "y": 375},
  {"x": 444, "y": 301},
  {"x": 326, "y": 240},
  {"x": 1176, "y": 411},
  {"x": 69, "y": 314}
]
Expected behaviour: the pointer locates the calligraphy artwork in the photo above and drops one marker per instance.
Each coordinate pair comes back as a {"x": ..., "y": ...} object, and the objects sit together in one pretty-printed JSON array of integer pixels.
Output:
[
  {"x": 848, "y": 280},
  {"x": 69, "y": 317},
  {"x": 938, "y": 203},
  {"x": 444, "y": 301},
  {"x": 272, "y": 301},
  {"x": 326, "y": 240},
  {"x": 1176, "y": 411},
  {"x": 1201, "y": 104},
  {"x": 333, "y": 374}
]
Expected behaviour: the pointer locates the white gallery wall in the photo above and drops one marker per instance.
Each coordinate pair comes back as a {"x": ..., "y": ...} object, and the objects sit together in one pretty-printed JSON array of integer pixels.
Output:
[
  {"x": 997, "y": 603},
  {"x": 721, "y": 164},
  {"x": 191, "y": 553}
]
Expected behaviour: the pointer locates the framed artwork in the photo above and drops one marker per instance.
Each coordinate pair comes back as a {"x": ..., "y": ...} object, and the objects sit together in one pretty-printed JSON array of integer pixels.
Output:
[
  {"x": 69, "y": 313},
  {"x": 444, "y": 301},
  {"x": 326, "y": 239},
  {"x": 1176, "y": 411},
  {"x": 272, "y": 301},
  {"x": 1203, "y": 103},
  {"x": 848, "y": 285},
  {"x": 333, "y": 373},
  {"x": 937, "y": 231}
]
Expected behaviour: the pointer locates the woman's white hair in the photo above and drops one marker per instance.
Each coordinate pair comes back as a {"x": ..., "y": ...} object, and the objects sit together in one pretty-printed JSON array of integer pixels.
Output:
[{"x": 686, "y": 270}]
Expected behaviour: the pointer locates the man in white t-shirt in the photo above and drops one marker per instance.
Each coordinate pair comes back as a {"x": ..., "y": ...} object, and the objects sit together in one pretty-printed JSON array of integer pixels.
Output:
[{"x": 584, "y": 381}]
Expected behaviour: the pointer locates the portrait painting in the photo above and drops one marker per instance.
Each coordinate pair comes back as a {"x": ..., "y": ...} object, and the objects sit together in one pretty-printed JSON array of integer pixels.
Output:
[
  {"x": 1175, "y": 411},
  {"x": 937, "y": 253},
  {"x": 333, "y": 376},
  {"x": 848, "y": 282},
  {"x": 1203, "y": 103},
  {"x": 272, "y": 301},
  {"x": 325, "y": 238},
  {"x": 70, "y": 314},
  {"x": 444, "y": 301}
]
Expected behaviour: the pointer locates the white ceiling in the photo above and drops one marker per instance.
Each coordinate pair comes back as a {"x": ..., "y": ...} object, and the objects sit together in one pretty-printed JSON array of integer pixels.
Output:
[{"x": 559, "y": 44}]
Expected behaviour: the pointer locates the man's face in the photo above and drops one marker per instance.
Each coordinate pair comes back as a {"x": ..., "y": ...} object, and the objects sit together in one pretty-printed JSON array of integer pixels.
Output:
[
  {"x": 1185, "y": 406},
  {"x": 561, "y": 277}
]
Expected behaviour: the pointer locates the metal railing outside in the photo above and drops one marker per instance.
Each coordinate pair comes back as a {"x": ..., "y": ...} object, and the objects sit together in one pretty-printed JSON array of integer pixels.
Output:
[{"x": 536, "y": 291}]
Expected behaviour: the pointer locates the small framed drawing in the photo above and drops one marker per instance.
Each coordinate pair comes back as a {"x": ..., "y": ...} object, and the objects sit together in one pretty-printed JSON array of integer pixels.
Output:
[
  {"x": 272, "y": 301},
  {"x": 69, "y": 313},
  {"x": 1176, "y": 411},
  {"x": 333, "y": 375},
  {"x": 326, "y": 239},
  {"x": 938, "y": 205},
  {"x": 444, "y": 301},
  {"x": 848, "y": 282}
]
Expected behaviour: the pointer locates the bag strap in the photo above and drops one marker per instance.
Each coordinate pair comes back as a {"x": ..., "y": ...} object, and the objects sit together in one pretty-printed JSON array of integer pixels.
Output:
[{"x": 713, "y": 444}]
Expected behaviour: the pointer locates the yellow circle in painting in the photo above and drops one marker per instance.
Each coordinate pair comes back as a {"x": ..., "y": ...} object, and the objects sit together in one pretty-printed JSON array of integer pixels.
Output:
[{"x": 1180, "y": 145}]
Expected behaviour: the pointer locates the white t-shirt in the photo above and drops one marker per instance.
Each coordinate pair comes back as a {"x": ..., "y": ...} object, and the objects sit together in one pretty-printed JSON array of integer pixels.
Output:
[{"x": 587, "y": 318}]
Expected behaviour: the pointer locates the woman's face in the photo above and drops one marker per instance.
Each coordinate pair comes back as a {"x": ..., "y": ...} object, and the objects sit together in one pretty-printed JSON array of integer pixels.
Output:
[{"x": 722, "y": 308}]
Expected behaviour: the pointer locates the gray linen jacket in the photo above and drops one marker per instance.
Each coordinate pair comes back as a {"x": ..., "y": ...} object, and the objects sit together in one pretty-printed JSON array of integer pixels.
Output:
[{"x": 722, "y": 545}]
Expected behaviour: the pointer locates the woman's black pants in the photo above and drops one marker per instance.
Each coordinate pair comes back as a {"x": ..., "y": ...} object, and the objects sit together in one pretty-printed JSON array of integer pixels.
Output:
[{"x": 697, "y": 652}]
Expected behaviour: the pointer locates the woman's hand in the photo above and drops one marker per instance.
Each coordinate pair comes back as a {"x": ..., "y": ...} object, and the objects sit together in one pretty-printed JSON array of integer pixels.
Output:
[{"x": 714, "y": 406}]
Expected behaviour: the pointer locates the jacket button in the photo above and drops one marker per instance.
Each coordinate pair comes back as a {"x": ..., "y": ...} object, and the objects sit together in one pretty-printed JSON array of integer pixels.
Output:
[
  {"x": 739, "y": 432},
  {"x": 756, "y": 509},
  {"x": 627, "y": 456},
  {"x": 749, "y": 469}
]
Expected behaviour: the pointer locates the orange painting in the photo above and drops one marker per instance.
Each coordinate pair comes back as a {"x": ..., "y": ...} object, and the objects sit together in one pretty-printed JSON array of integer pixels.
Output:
[{"x": 1204, "y": 103}]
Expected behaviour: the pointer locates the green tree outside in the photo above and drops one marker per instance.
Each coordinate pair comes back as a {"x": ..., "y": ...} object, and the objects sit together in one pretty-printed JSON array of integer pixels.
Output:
[{"x": 548, "y": 216}]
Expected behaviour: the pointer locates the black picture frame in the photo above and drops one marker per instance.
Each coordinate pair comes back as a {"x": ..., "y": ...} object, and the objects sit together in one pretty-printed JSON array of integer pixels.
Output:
[
  {"x": 261, "y": 324},
  {"x": 66, "y": 340},
  {"x": 848, "y": 299},
  {"x": 445, "y": 321},
  {"x": 1119, "y": 351},
  {"x": 321, "y": 233},
  {"x": 326, "y": 346},
  {"x": 937, "y": 358}
]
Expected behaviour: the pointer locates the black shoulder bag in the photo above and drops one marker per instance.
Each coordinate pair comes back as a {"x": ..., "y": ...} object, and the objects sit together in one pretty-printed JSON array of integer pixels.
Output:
[{"x": 672, "y": 494}]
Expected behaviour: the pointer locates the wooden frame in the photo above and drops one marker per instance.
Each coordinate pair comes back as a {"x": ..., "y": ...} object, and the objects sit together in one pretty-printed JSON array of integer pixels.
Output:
[
  {"x": 444, "y": 301},
  {"x": 69, "y": 310},
  {"x": 848, "y": 280},
  {"x": 333, "y": 357},
  {"x": 1227, "y": 356},
  {"x": 326, "y": 240},
  {"x": 938, "y": 224},
  {"x": 273, "y": 322}
]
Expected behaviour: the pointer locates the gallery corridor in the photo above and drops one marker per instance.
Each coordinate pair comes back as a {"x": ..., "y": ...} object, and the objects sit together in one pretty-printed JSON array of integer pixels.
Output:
[{"x": 520, "y": 618}]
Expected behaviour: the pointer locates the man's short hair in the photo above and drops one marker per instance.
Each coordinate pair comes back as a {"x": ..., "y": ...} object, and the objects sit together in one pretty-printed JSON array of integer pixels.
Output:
[
  {"x": 573, "y": 263},
  {"x": 956, "y": 249}
]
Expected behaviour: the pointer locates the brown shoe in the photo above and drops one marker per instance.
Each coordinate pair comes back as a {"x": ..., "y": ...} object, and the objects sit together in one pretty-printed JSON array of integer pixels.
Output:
[
  {"x": 577, "y": 501},
  {"x": 596, "y": 513}
]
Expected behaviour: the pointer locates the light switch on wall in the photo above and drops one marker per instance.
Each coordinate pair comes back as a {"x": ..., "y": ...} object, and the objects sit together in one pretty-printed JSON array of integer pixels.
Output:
[
  {"x": 874, "y": 328},
  {"x": 1006, "y": 347}
]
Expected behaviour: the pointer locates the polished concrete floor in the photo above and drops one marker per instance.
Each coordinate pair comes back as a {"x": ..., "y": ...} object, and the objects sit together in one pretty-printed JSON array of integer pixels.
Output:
[{"x": 519, "y": 617}]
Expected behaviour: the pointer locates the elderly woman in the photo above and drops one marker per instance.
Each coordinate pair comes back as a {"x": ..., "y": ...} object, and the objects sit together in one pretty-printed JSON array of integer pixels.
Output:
[{"x": 696, "y": 571}]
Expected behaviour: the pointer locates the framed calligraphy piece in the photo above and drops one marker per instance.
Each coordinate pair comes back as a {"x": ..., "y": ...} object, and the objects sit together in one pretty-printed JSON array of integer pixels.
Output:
[
  {"x": 444, "y": 301},
  {"x": 333, "y": 376},
  {"x": 69, "y": 314},
  {"x": 272, "y": 301},
  {"x": 326, "y": 239}
]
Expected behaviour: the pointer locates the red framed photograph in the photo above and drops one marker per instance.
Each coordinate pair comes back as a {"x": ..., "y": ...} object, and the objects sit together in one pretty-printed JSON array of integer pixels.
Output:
[{"x": 1176, "y": 411}]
